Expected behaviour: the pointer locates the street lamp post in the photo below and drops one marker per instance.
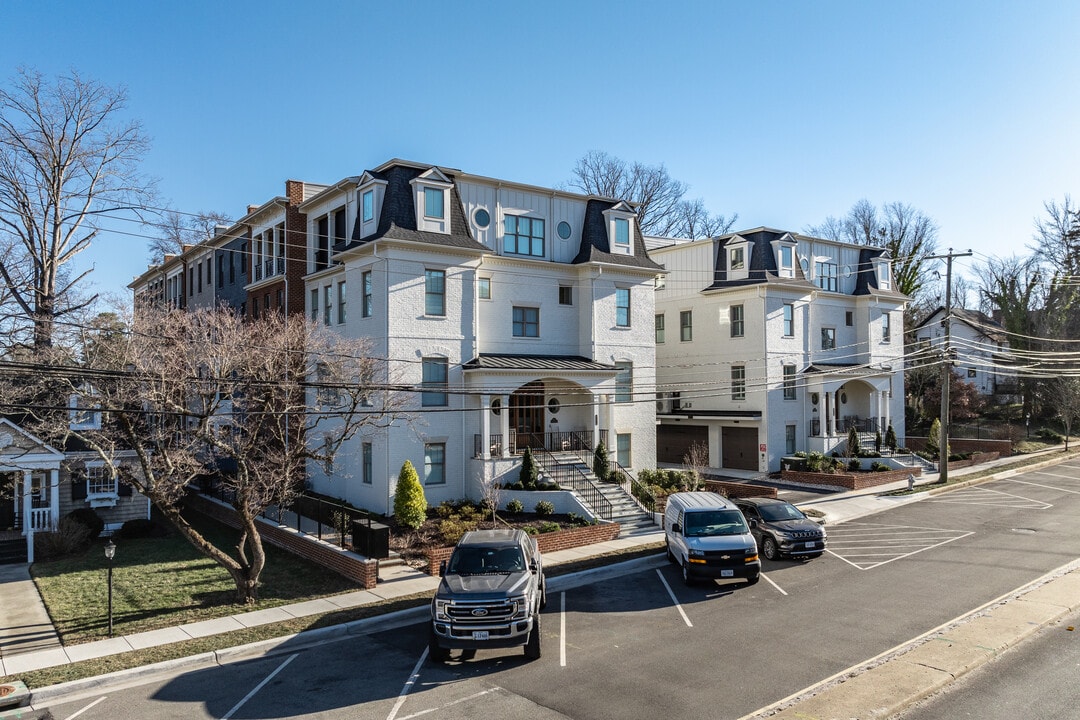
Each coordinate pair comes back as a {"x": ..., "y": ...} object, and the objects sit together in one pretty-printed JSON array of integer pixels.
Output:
[{"x": 110, "y": 553}]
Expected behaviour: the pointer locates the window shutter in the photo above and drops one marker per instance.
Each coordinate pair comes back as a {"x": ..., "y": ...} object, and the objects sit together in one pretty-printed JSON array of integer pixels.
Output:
[
  {"x": 78, "y": 486},
  {"x": 123, "y": 489}
]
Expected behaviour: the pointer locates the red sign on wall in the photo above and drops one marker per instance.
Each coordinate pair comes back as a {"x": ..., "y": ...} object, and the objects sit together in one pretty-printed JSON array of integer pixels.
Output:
[{"x": 761, "y": 447}]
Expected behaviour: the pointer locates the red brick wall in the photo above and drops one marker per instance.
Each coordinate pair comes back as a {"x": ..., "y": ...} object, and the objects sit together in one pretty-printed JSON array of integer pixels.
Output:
[
  {"x": 295, "y": 246},
  {"x": 547, "y": 542},
  {"x": 343, "y": 562},
  {"x": 734, "y": 489},
  {"x": 853, "y": 481}
]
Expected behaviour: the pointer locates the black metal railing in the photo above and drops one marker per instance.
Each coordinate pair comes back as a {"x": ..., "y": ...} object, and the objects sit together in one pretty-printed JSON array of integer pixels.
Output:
[
  {"x": 572, "y": 477},
  {"x": 567, "y": 440},
  {"x": 307, "y": 514},
  {"x": 641, "y": 494}
]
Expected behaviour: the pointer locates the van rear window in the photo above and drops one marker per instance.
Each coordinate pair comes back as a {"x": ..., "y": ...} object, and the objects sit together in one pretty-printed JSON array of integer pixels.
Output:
[{"x": 714, "y": 522}]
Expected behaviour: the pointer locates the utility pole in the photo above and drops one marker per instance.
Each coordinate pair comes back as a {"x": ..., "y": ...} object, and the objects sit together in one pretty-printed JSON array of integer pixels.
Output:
[{"x": 946, "y": 365}]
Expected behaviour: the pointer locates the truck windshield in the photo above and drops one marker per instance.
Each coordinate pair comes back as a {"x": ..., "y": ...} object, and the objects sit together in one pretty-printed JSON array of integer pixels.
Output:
[
  {"x": 468, "y": 560},
  {"x": 714, "y": 522}
]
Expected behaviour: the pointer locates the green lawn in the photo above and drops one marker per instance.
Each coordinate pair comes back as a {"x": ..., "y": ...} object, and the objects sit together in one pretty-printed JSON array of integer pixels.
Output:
[{"x": 163, "y": 582}]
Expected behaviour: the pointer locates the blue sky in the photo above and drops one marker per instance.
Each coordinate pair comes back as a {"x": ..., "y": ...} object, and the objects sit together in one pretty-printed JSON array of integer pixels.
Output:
[{"x": 784, "y": 112}]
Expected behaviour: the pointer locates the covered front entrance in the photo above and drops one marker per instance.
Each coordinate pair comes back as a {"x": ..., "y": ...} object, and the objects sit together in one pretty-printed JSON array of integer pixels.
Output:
[
  {"x": 739, "y": 447},
  {"x": 527, "y": 414}
]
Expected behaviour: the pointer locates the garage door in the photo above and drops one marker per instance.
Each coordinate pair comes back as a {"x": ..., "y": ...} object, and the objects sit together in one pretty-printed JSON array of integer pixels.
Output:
[
  {"x": 674, "y": 441},
  {"x": 740, "y": 447}
]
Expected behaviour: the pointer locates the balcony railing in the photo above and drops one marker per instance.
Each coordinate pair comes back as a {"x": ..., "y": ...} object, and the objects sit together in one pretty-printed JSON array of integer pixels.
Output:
[{"x": 564, "y": 440}]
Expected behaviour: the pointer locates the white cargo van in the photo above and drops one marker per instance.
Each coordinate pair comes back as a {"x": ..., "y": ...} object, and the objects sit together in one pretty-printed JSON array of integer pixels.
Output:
[{"x": 707, "y": 536}]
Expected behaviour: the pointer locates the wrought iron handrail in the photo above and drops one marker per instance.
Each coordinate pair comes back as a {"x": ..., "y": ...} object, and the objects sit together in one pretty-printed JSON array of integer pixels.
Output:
[
  {"x": 569, "y": 476},
  {"x": 641, "y": 494}
]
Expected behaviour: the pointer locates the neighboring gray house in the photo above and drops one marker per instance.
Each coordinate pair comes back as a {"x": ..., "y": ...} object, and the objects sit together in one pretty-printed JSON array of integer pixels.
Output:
[{"x": 982, "y": 351}]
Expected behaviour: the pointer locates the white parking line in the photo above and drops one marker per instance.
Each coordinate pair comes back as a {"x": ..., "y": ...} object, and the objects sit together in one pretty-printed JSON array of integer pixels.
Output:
[
  {"x": 562, "y": 629},
  {"x": 80, "y": 712},
  {"x": 990, "y": 498},
  {"x": 1048, "y": 487},
  {"x": 773, "y": 584},
  {"x": 259, "y": 687},
  {"x": 674, "y": 599},
  {"x": 408, "y": 685},
  {"x": 897, "y": 557},
  {"x": 451, "y": 704}
]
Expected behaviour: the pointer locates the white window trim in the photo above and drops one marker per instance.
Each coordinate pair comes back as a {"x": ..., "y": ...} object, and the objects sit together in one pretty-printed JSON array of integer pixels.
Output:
[
  {"x": 621, "y": 211},
  {"x": 733, "y": 246},
  {"x": 432, "y": 179},
  {"x": 378, "y": 190},
  {"x": 75, "y": 411},
  {"x": 786, "y": 241},
  {"x": 101, "y": 499}
]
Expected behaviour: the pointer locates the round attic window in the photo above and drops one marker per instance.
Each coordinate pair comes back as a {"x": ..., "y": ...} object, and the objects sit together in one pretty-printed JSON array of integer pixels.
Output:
[
  {"x": 482, "y": 218},
  {"x": 564, "y": 230}
]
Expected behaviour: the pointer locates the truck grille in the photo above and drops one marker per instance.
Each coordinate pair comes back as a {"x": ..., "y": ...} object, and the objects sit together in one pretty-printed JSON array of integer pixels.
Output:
[{"x": 481, "y": 613}]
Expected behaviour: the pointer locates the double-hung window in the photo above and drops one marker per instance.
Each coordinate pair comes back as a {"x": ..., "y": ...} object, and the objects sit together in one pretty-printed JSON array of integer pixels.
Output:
[
  {"x": 100, "y": 480},
  {"x": 686, "y": 325},
  {"x": 566, "y": 294},
  {"x": 328, "y": 301},
  {"x": 738, "y": 261},
  {"x": 886, "y": 330},
  {"x": 622, "y": 231},
  {"x": 624, "y": 382},
  {"x": 435, "y": 376},
  {"x": 622, "y": 449},
  {"x": 660, "y": 329},
  {"x": 365, "y": 304},
  {"x": 366, "y": 452},
  {"x": 828, "y": 338},
  {"x": 434, "y": 463},
  {"x": 341, "y": 302},
  {"x": 789, "y": 439},
  {"x": 622, "y": 307},
  {"x": 483, "y": 288},
  {"x": 433, "y": 203},
  {"x": 368, "y": 202},
  {"x": 523, "y": 235},
  {"x": 826, "y": 275},
  {"x": 789, "y": 320},
  {"x": 435, "y": 292},
  {"x": 314, "y": 305},
  {"x": 738, "y": 325},
  {"x": 738, "y": 382},
  {"x": 789, "y": 382},
  {"x": 526, "y": 322}
]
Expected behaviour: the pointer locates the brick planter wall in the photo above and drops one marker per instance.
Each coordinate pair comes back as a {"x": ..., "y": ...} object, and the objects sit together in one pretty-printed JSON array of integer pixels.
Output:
[
  {"x": 848, "y": 481},
  {"x": 547, "y": 542},
  {"x": 346, "y": 563},
  {"x": 736, "y": 490}
]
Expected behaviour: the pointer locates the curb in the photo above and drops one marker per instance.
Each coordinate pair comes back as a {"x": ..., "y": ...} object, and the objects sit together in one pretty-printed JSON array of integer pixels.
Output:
[{"x": 87, "y": 687}]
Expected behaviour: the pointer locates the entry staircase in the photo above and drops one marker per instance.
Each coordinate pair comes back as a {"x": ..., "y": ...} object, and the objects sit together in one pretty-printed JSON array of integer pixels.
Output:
[{"x": 605, "y": 499}]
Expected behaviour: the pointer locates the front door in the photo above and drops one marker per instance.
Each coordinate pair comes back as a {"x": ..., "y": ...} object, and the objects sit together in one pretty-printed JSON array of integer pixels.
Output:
[{"x": 527, "y": 415}]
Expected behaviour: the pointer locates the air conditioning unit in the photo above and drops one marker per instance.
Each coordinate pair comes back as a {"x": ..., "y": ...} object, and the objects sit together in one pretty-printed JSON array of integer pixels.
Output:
[{"x": 663, "y": 404}]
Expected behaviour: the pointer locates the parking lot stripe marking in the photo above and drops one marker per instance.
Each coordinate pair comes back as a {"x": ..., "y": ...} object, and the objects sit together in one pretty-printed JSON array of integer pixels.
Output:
[
  {"x": 259, "y": 687},
  {"x": 80, "y": 712},
  {"x": 1048, "y": 487},
  {"x": 562, "y": 629},
  {"x": 674, "y": 599},
  {"x": 991, "y": 498},
  {"x": 408, "y": 685},
  {"x": 451, "y": 704},
  {"x": 770, "y": 580}
]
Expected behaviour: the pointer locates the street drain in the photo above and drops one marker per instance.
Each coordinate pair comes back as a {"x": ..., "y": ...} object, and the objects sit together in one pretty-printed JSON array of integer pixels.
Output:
[{"x": 1024, "y": 531}]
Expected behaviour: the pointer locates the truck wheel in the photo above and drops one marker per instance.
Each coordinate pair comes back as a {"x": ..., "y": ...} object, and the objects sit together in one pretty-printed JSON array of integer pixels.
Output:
[
  {"x": 687, "y": 578},
  {"x": 543, "y": 594},
  {"x": 769, "y": 548},
  {"x": 435, "y": 651},
  {"x": 532, "y": 647},
  {"x": 752, "y": 580},
  {"x": 670, "y": 555}
]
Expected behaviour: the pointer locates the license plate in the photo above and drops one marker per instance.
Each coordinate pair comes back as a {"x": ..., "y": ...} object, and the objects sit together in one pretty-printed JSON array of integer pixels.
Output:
[
  {"x": 811, "y": 545},
  {"x": 479, "y": 634},
  {"x": 727, "y": 573}
]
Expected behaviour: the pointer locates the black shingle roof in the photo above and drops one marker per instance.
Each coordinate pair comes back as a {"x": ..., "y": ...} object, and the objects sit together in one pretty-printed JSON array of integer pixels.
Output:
[
  {"x": 596, "y": 245},
  {"x": 762, "y": 268}
]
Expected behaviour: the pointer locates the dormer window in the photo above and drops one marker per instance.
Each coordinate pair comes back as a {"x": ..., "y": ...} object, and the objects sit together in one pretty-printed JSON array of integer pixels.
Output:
[
  {"x": 785, "y": 256},
  {"x": 622, "y": 231},
  {"x": 432, "y": 198},
  {"x": 884, "y": 274},
  {"x": 620, "y": 226},
  {"x": 84, "y": 413},
  {"x": 369, "y": 195},
  {"x": 433, "y": 203},
  {"x": 367, "y": 201},
  {"x": 738, "y": 258}
]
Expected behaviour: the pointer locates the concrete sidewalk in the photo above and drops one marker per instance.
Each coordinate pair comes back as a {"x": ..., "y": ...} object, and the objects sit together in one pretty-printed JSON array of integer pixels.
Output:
[{"x": 905, "y": 680}]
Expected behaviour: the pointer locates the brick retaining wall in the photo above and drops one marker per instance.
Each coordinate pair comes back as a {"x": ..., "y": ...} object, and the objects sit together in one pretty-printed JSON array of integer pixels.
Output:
[
  {"x": 966, "y": 445},
  {"x": 849, "y": 481},
  {"x": 735, "y": 489},
  {"x": 547, "y": 542},
  {"x": 353, "y": 566}
]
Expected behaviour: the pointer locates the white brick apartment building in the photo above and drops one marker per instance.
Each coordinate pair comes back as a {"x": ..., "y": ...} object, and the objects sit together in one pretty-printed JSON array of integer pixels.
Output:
[
  {"x": 515, "y": 314},
  {"x": 769, "y": 342}
]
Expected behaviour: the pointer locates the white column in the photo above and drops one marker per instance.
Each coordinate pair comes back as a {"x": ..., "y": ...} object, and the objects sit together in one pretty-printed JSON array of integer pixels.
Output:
[
  {"x": 826, "y": 413},
  {"x": 485, "y": 426},
  {"x": 28, "y": 527},
  {"x": 54, "y": 498},
  {"x": 595, "y": 420},
  {"x": 504, "y": 424}
]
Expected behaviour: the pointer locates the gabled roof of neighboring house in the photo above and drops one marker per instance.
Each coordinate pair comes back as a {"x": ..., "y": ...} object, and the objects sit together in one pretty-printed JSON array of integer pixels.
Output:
[
  {"x": 596, "y": 245},
  {"x": 978, "y": 321},
  {"x": 506, "y": 361},
  {"x": 855, "y": 369}
]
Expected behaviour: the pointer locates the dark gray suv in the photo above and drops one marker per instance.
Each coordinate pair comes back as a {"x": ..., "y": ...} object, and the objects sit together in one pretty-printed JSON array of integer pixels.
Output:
[{"x": 780, "y": 528}]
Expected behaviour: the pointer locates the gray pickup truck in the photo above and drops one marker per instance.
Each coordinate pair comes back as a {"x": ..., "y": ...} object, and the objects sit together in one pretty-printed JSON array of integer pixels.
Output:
[{"x": 491, "y": 595}]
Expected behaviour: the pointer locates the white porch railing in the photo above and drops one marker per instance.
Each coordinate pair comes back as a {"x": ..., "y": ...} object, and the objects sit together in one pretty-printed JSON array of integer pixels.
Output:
[{"x": 41, "y": 519}]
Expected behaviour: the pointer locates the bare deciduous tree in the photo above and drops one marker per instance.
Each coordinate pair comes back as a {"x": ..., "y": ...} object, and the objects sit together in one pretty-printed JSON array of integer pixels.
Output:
[
  {"x": 909, "y": 235},
  {"x": 67, "y": 158},
  {"x": 662, "y": 211},
  {"x": 202, "y": 392},
  {"x": 177, "y": 230},
  {"x": 696, "y": 462}
]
